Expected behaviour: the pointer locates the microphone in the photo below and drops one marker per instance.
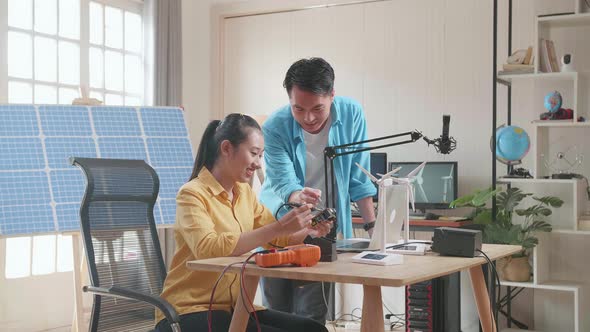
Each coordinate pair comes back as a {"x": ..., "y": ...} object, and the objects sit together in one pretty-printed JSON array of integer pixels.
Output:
[
  {"x": 445, "y": 141},
  {"x": 445, "y": 144}
]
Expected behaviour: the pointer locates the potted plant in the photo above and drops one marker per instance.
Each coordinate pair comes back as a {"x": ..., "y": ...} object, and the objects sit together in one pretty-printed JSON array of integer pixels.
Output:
[{"x": 504, "y": 231}]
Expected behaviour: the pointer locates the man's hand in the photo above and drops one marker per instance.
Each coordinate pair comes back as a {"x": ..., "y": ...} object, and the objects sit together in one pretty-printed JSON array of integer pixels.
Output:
[{"x": 306, "y": 196}]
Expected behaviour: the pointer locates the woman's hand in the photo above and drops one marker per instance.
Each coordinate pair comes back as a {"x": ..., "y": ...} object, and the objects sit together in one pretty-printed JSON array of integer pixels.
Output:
[
  {"x": 321, "y": 229},
  {"x": 297, "y": 219}
]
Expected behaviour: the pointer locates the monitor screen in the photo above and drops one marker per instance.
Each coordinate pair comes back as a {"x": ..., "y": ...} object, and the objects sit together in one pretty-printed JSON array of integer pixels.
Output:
[
  {"x": 378, "y": 166},
  {"x": 435, "y": 186}
]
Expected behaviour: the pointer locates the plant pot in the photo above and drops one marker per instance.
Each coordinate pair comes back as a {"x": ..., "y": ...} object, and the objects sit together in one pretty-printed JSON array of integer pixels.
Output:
[{"x": 514, "y": 269}]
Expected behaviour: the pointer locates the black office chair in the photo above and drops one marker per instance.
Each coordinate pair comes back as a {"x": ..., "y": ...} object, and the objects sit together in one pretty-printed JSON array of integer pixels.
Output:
[{"x": 127, "y": 270}]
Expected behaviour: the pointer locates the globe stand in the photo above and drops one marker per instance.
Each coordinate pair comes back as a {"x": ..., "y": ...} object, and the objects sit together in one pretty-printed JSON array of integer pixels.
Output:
[{"x": 518, "y": 173}]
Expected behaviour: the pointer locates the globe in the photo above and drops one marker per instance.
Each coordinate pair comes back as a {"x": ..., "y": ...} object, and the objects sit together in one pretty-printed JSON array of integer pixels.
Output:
[
  {"x": 553, "y": 101},
  {"x": 512, "y": 144}
]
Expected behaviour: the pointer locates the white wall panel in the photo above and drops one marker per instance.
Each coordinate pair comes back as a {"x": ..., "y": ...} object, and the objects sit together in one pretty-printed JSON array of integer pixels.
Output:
[
  {"x": 256, "y": 53},
  {"x": 335, "y": 34}
]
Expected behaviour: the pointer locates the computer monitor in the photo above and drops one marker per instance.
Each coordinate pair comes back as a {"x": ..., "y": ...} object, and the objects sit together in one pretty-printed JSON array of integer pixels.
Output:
[
  {"x": 435, "y": 186},
  {"x": 378, "y": 166}
]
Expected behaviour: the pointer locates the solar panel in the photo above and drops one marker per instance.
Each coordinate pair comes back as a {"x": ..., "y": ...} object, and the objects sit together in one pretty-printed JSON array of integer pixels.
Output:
[{"x": 40, "y": 191}]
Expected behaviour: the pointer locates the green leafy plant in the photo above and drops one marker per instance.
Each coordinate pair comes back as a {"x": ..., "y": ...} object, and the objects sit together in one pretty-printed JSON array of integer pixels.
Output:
[{"x": 503, "y": 230}]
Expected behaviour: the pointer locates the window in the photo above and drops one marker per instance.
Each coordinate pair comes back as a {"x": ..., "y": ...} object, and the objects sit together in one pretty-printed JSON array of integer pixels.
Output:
[{"x": 54, "y": 47}]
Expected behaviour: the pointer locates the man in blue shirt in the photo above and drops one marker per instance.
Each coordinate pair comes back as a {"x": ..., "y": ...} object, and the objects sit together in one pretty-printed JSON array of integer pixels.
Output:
[{"x": 295, "y": 137}]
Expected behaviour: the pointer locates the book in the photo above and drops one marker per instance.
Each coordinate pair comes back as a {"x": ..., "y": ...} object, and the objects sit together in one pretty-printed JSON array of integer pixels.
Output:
[
  {"x": 509, "y": 69},
  {"x": 516, "y": 67},
  {"x": 544, "y": 63},
  {"x": 552, "y": 56},
  {"x": 528, "y": 57}
]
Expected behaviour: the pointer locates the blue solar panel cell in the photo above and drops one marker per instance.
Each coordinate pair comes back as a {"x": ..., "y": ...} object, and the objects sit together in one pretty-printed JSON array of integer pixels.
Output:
[
  {"x": 122, "y": 148},
  {"x": 60, "y": 149},
  {"x": 68, "y": 217},
  {"x": 65, "y": 121},
  {"x": 171, "y": 179},
  {"x": 168, "y": 210},
  {"x": 163, "y": 122},
  {"x": 26, "y": 219},
  {"x": 41, "y": 192},
  {"x": 21, "y": 153},
  {"x": 21, "y": 188},
  {"x": 67, "y": 185},
  {"x": 18, "y": 121},
  {"x": 170, "y": 152},
  {"x": 116, "y": 121}
]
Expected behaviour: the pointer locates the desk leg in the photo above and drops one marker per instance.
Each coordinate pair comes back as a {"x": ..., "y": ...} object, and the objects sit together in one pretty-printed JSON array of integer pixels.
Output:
[
  {"x": 372, "y": 320},
  {"x": 239, "y": 320},
  {"x": 482, "y": 299}
]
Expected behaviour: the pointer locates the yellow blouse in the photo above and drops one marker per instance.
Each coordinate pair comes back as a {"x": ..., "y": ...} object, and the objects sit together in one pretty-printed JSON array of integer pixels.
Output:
[{"x": 209, "y": 225}]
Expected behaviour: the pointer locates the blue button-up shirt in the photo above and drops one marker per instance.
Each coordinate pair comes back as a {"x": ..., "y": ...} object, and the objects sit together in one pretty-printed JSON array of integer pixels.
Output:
[{"x": 285, "y": 159}]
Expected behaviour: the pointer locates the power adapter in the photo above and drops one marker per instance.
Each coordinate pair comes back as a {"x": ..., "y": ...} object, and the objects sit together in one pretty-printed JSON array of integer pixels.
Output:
[{"x": 449, "y": 241}]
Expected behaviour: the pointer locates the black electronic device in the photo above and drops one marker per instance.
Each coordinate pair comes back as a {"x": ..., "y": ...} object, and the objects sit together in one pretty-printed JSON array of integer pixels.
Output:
[
  {"x": 434, "y": 305},
  {"x": 461, "y": 242},
  {"x": 321, "y": 215},
  {"x": 378, "y": 166},
  {"x": 445, "y": 144},
  {"x": 327, "y": 245},
  {"x": 435, "y": 186}
]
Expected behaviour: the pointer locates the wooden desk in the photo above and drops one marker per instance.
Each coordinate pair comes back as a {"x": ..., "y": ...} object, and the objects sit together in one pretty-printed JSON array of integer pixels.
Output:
[{"x": 414, "y": 269}]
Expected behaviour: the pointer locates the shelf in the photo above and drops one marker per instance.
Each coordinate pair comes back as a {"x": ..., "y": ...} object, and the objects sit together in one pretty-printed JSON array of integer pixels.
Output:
[
  {"x": 558, "y": 285},
  {"x": 527, "y": 284},
  {"x": 570, "y": 231},
  {"x": 572, "y": 20},
  {"x": 547, "y": 76},
  {"x": 560, "y": 123},
  {"x": 537, "y": 181}
]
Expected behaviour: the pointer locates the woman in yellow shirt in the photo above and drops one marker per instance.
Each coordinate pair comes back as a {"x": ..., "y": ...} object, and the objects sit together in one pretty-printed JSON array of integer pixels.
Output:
[{"x": 218, "y": 214}]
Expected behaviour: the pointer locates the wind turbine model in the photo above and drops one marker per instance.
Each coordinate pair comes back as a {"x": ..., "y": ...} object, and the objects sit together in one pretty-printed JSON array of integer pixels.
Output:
[
  {"x": 447, "y": 182},
  {"x": 407, "y": 181},
  {"x": 381, "y": 257},
  {"x": 419, "y": 180}
]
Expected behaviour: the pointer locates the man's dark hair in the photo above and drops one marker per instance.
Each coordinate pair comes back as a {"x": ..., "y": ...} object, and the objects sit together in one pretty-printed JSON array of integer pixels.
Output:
[{"x": 313, "y": 75}]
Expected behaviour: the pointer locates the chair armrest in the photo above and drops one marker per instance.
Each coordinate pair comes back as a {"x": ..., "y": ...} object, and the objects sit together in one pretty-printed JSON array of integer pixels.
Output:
[{"x": 113, "y": 291}]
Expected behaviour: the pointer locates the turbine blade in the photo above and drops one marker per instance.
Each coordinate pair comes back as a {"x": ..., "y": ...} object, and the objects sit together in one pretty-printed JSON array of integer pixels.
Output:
[
  {"x": 390, "y": 173},
  {"x": 416, "y": 170},
  {"x": 374, "y": 179}
]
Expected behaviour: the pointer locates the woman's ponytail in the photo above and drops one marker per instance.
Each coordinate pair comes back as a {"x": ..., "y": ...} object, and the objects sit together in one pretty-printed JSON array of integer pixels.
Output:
[{"x": 207, "y": 152}]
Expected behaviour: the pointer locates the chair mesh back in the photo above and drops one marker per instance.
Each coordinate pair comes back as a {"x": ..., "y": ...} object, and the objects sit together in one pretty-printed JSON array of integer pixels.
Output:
[{"x": 121, "y": 240}]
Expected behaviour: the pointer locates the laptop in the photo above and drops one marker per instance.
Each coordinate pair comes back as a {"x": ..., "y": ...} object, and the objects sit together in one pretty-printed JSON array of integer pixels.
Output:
[
  {"x": 396, "y": 200},
  {"x": 354, "y": 245}
]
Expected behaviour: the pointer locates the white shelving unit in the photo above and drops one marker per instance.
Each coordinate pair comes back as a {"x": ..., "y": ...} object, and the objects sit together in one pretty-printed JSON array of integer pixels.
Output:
[{"x": 561, "y": 276}]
